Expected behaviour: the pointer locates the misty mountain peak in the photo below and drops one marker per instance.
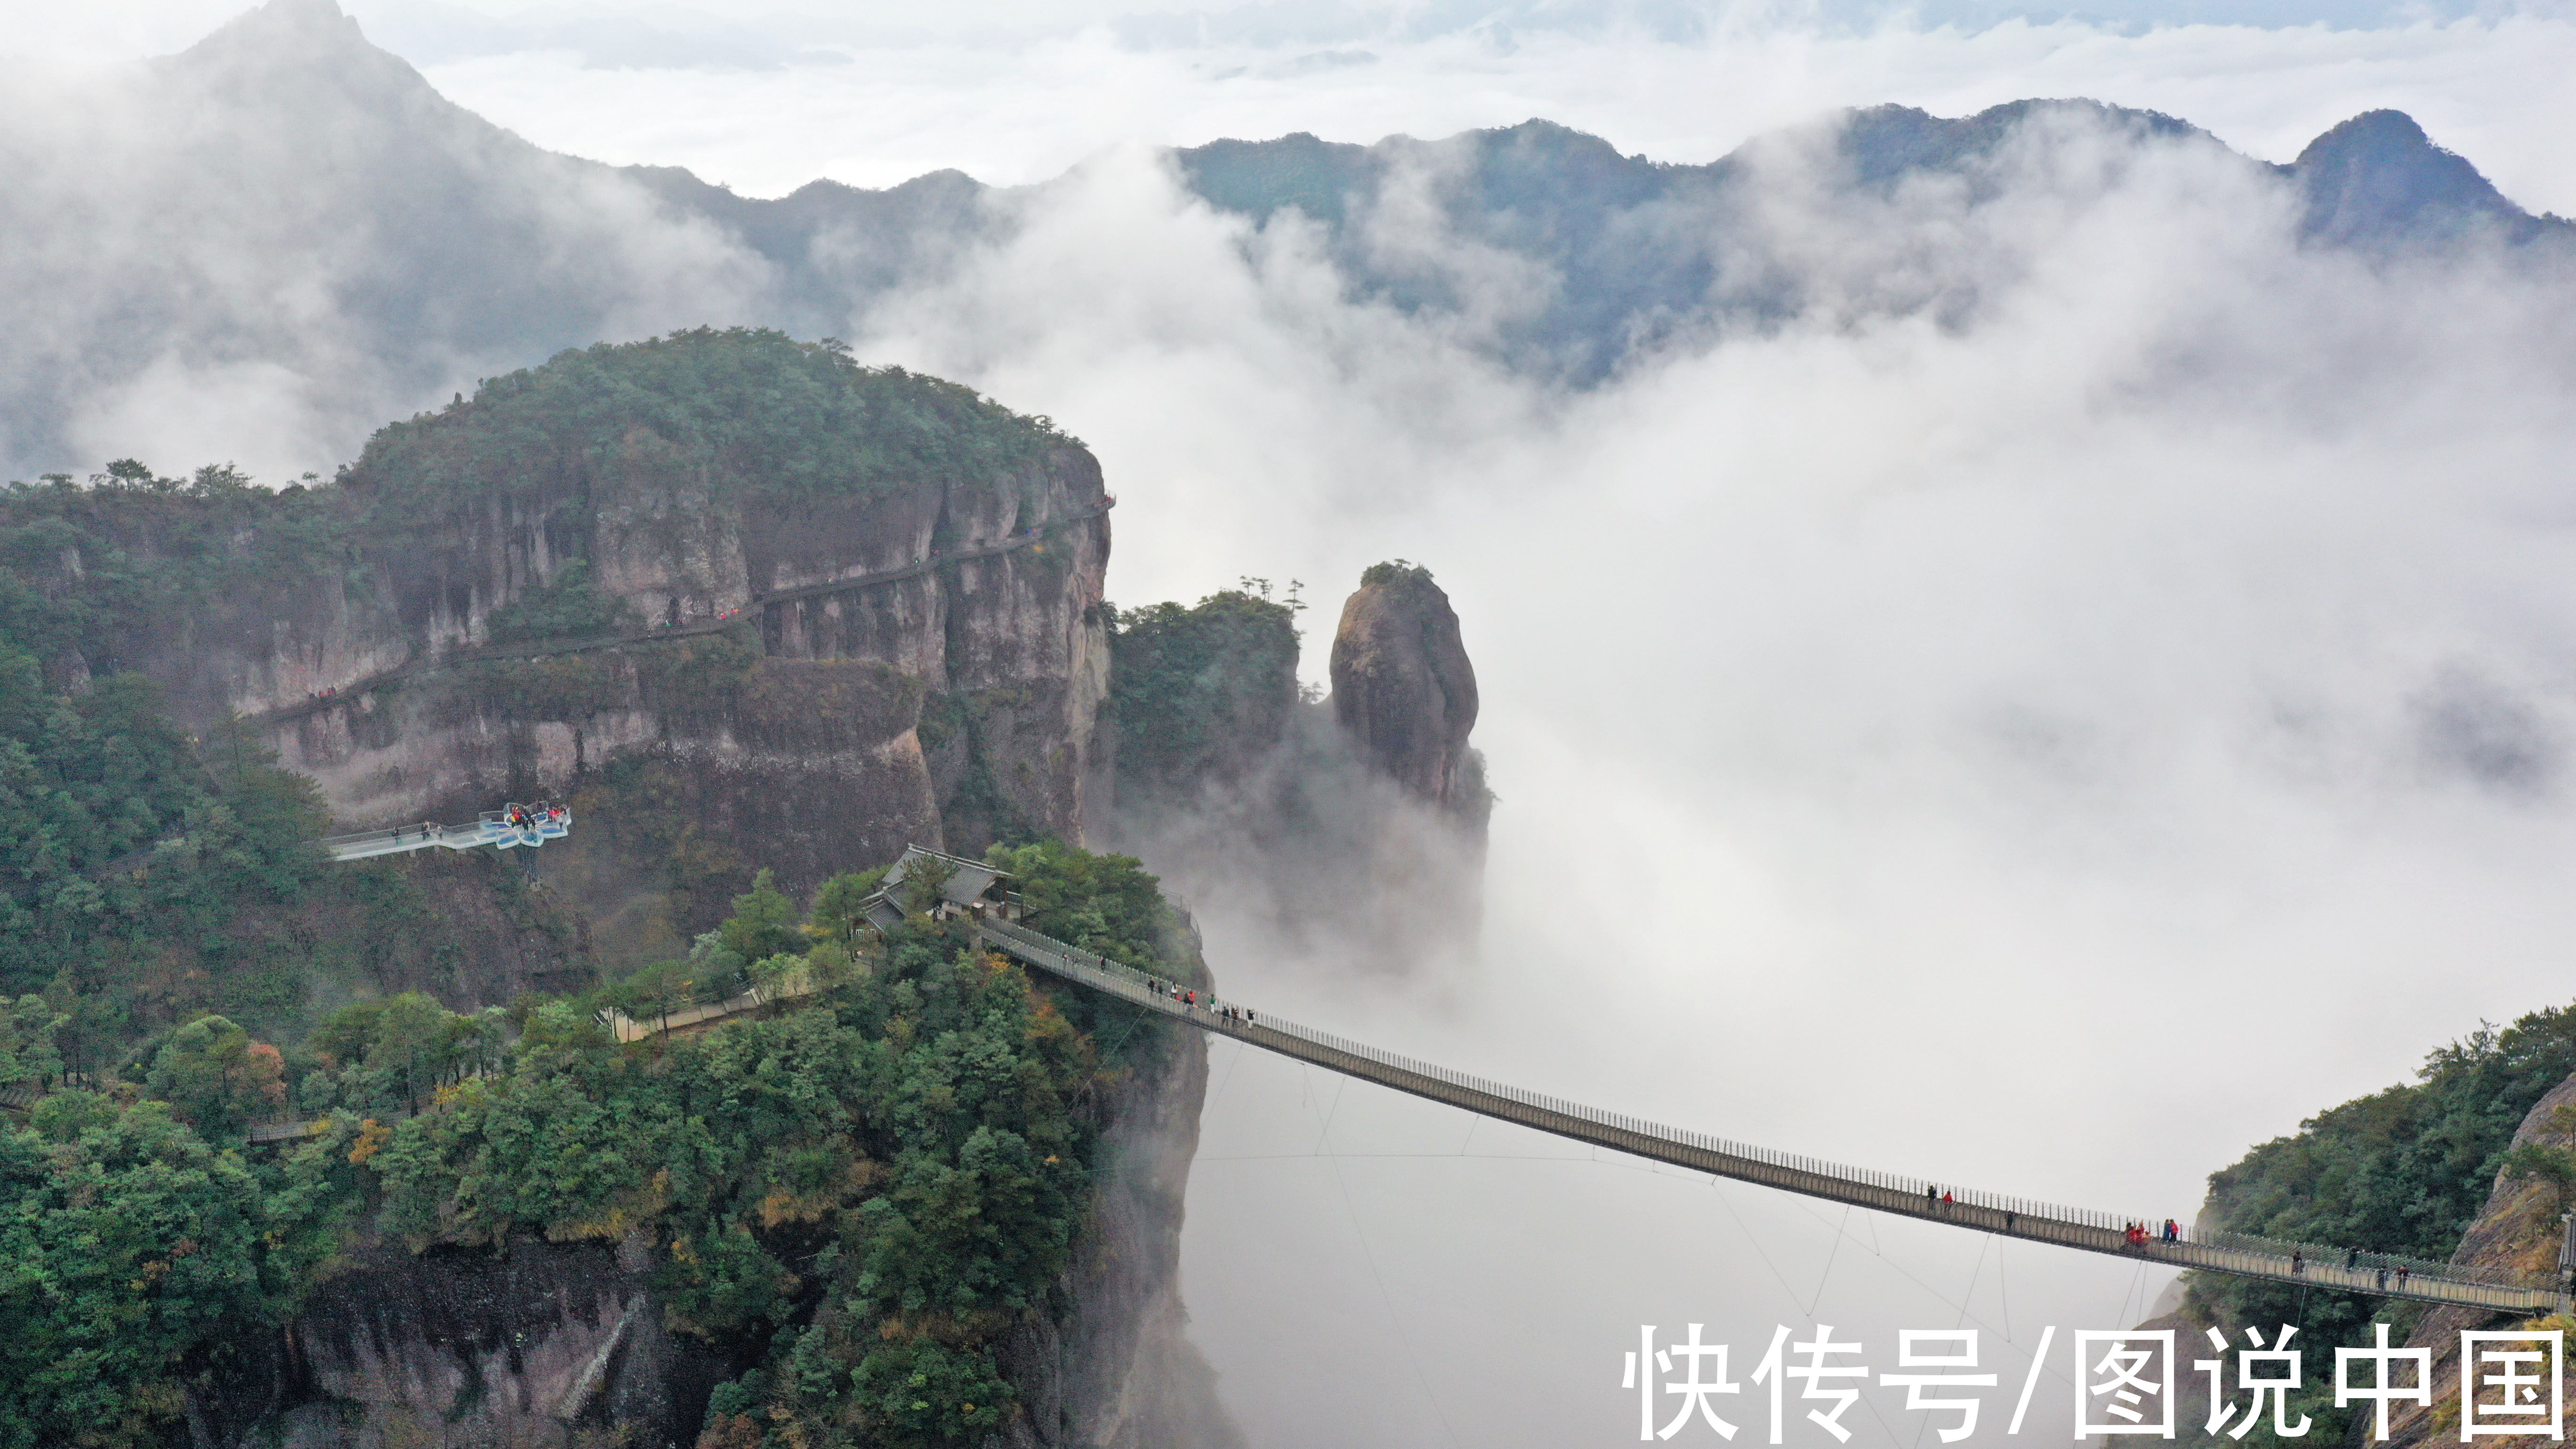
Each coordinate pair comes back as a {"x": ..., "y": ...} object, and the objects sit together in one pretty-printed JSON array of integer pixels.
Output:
[
  {"x": 2378, "y": 179},
  {"x": 298, "y": 43},
  {"x": 286, "y": 22}
]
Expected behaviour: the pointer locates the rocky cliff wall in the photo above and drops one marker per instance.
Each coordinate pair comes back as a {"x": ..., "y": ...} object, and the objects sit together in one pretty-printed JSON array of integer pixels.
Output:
[
  {"x": 409, "y": 729},
  {"x": 1118, "y": 1371},
  {"x": 470, "y": 1348}
]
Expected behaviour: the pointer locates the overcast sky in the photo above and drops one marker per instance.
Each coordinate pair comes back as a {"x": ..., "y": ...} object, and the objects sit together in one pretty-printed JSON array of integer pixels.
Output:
[
  {"x": 2054, "y": 751},
  {"x": 769, "y": 97}
]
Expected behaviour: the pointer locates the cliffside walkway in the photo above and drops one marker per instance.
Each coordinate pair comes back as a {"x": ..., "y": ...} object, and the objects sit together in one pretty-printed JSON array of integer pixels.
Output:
[
  {"x": 505, "y": 829},
  {"x": 2324, "y": 1266},
  {"x": 548, "y": 648}
]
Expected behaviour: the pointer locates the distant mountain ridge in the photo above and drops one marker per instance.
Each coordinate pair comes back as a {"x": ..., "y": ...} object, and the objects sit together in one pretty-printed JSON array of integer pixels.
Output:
[{"x": 289, "y": 232}]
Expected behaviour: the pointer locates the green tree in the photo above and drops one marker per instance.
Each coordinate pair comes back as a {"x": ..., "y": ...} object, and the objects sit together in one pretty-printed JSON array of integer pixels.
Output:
[
  {"x": 838, "y": 906},
  {"x": 412, "y": 1044},
  {"x": 216, "y": 1078},
  {"x": 764, "y": 922},
  {"x": 345, "y": 1034},
  {"x": 27, "y": 1051},
  {"x": 918, "y": 1391}
]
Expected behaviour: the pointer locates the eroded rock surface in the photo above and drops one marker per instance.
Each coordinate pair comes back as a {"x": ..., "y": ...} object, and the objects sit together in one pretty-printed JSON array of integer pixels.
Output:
[{"x": 1404, "y": 688}]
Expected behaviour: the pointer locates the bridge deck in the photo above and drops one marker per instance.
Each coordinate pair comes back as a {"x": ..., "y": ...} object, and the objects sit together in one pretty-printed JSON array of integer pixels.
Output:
[{"x": 2318, "y": 1264}]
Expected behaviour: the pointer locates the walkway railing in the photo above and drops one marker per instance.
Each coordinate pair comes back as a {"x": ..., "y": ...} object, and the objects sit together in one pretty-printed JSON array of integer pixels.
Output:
[{"x": 2322, "y": 1265}]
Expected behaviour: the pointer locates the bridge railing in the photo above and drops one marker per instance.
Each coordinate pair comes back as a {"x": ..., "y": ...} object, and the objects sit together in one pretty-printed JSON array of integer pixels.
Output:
[{"x": 2330, "y": 1262}]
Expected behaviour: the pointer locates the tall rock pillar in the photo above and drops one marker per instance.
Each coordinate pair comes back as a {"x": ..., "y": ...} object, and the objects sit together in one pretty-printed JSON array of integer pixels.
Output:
[{"x": 1405, "y": 691}]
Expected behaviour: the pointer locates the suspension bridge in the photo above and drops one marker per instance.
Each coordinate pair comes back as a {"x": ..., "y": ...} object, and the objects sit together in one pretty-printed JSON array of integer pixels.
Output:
[{"x": 2312, "y": 1264}]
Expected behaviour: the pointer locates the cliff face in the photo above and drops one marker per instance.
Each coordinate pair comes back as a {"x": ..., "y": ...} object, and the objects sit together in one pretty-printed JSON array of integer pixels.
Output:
[
  {"x": 1120, "y": 1372},
  {"x": 455, "y": 1349},
  {"x": 1009, "y": 631}
]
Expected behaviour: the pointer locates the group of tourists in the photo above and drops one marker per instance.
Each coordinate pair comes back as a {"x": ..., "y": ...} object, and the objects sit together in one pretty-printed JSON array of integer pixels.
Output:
[
  {"x": 2138, "y": 1235},
  {"x": 1189, "y": 997},
  {"x": 530, "y": 817}
]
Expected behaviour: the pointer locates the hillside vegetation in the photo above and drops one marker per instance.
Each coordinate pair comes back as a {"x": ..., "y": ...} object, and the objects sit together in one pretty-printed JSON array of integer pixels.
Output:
[
  {"x": 2406, "y": 1170},
  {"x": 859, "y": 1200}
]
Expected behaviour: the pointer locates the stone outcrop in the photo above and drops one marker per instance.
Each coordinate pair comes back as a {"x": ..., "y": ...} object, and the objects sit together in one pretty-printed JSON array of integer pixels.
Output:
[
  {"x": 1351, "y": 831},
  {"x": 1404, "y": 689},
  {"x": 469, "y": 1347}
]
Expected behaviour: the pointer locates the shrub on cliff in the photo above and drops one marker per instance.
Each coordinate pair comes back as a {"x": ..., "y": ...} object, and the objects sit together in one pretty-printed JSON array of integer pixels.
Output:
[{"x": 570, "y": 605}]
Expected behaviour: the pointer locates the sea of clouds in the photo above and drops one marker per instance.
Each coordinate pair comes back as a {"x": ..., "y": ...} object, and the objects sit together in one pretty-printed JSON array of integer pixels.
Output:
[{"x": 2049, "y": 743}]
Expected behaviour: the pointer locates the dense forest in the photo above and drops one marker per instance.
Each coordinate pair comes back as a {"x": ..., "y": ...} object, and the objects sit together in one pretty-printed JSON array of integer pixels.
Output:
[
  {"x": 2405, "y": 1170},
  {"x": 862, "y": 1197}
]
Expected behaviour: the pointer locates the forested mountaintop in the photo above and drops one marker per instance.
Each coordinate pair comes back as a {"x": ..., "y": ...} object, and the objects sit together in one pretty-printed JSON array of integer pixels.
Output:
[{"x": 426, "y": 246}]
